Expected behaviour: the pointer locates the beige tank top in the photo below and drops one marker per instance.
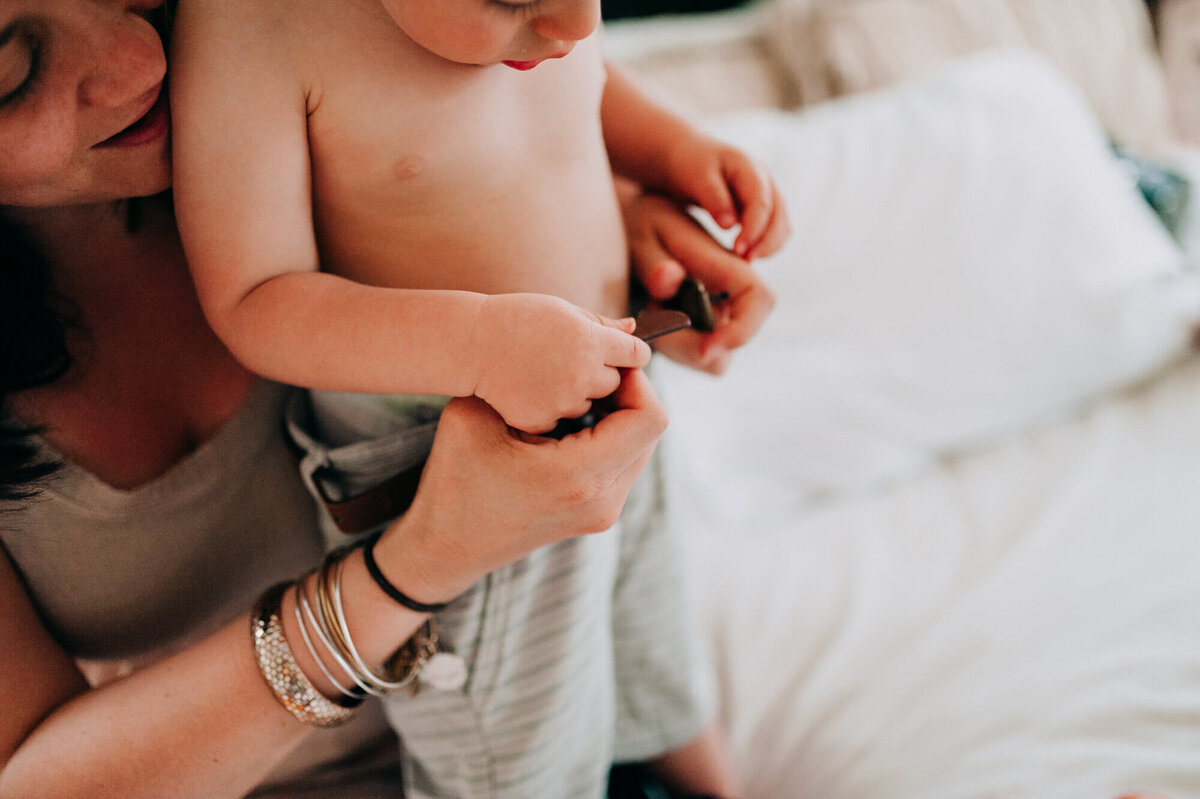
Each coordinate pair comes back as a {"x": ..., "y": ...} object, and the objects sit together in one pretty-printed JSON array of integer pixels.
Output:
[{"x": 123, "y": 578}]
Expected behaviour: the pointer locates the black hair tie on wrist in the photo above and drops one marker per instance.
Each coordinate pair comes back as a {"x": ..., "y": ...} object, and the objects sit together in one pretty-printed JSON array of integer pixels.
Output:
[{"x": 391, "y": 590}]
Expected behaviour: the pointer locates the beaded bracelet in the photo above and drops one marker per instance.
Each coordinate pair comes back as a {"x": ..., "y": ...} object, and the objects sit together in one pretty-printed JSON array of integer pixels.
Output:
[{"x": 281, "y": 672}]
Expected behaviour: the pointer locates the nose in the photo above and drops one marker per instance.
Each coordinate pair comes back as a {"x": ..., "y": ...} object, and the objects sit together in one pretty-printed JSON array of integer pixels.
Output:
[
  {"x": 127, "y": 56},
  {"x": 570, "y": 21}
]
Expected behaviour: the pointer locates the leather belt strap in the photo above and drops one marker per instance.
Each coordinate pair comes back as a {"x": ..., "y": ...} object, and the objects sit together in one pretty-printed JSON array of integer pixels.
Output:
[{"x": 376, "y": 505}]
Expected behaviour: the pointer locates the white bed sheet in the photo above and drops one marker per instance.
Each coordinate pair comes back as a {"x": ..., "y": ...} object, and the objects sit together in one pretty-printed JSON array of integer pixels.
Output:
[{"x": 1021, "y": 620}]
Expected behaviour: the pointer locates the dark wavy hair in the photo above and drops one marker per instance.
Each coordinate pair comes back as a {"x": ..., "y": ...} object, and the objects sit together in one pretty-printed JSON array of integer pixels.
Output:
[{"x": 33, "y": 352}]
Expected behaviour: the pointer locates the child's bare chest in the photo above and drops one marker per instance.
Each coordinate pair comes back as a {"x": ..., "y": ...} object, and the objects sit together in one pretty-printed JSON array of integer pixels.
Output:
[
  {"x": 462, "y": 168},
  {"x": 419, "y": 139}
]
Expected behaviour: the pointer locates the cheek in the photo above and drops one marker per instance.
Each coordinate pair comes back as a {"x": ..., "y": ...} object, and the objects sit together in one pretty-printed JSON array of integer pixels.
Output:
[
  {"x": 473, "y": 44},
  {"x": 482, "y": 40},
  {"x": 452, "y": 34},
  {"x": 36, "y": 156}
]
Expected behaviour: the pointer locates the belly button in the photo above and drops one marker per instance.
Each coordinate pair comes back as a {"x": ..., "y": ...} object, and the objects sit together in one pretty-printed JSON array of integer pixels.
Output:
[{"x": 409, "y": 166}]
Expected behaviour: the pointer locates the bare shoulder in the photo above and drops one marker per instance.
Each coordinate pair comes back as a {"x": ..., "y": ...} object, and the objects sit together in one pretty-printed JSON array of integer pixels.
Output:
[
  {"x": 217, "y": 45},
  {"x": 241, "y": 34}
]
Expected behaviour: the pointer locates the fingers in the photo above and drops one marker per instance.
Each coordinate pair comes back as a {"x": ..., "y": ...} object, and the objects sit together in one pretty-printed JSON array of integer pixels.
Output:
[
  {"x": 625, "y": 324},
  {"x": 623, "y": 438},
  {"x": 753, "y": 192},
  {"x": 713, "y": 194},
  {"x": 679, "y": 239},
  {"x": 657, "y": 268},
  {"x": 696, "y": 351},
  {"x": 778, "y": 229},
  {"x": 659, "y": 273},
  {"x": 747, "y": 312},
  {"x": 618, "y": 347}
]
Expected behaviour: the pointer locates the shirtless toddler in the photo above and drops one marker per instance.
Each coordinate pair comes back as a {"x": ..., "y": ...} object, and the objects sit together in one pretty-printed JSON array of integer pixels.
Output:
[{"x": 416, "y": 197}]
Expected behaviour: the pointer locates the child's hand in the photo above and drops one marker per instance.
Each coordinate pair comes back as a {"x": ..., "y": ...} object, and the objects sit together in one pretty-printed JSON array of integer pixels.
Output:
[
  {"x": 541, "y": 359},
  {"x": 734, "y": 189},
  {"x": 666, "y": 245}
]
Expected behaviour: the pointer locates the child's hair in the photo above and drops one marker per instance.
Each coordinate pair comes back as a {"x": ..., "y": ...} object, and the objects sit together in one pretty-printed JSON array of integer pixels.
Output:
[{"x": 33, "y": 352}]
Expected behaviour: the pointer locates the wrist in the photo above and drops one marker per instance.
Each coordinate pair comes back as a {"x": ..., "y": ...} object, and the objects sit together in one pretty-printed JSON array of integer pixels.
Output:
[
  {"x": 355, "y": 642},
  {"x": 417, "y": 563},
  {"x": 477, "y": 355}
]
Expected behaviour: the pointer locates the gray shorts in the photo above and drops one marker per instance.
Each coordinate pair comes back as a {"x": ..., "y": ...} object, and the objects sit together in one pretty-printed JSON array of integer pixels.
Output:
[{"x": 349, "y": 444}]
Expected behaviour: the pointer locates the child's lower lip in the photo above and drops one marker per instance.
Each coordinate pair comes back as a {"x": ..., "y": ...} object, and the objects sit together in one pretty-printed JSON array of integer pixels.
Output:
[{"x": 523, "y": 65}]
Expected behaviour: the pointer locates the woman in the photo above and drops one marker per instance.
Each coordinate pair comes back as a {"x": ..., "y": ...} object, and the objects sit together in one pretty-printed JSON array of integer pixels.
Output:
[{"x": 149, "y": 495}]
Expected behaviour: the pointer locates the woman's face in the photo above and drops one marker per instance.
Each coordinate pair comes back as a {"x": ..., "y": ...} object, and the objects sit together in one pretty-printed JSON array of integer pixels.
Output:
[{"x": 83, "y": 114}]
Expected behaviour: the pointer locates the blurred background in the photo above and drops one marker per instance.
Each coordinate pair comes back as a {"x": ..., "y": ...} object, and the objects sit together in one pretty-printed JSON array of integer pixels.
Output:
[{"x": 941, "y": 512}]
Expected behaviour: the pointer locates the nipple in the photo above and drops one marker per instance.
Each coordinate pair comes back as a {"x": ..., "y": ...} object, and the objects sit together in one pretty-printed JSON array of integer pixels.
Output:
[{"x": 409, "y": 166}]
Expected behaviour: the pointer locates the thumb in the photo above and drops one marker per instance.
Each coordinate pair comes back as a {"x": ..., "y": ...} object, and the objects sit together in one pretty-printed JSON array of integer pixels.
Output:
[
  {"x": 656, "y": 269},
  {"x": 625, "y": 324},
  {"x": 475, "y": 415}
]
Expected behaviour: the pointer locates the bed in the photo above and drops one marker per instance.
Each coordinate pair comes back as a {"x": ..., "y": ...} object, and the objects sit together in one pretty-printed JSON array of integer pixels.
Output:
[{"x": 944, "y": 538}]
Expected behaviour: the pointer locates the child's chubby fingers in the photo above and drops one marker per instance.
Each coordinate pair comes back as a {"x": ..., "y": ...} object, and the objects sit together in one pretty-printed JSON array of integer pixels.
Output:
[
  {"x": 617, "y": 346},
  {"x": 753, "y": 192},
  {"x": 776, "y": 232},
  {"x": 711, "y": 191}
]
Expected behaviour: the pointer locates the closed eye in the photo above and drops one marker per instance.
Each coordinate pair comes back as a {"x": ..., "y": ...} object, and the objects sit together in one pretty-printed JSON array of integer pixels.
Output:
[
  {"x": 20, "y": 63},
  {"x": 517, "y": 8}
]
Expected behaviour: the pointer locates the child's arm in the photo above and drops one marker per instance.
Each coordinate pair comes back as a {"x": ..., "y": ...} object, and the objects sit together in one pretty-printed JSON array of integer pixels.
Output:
[
  {"x": 243, "y": 199},
  {"x": 660, "y": 150}
]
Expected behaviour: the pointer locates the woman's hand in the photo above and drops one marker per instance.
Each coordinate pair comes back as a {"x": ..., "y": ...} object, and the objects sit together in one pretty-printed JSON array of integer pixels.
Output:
[
  {"x": 666, "y": 245},
  {"x": 490, "y": 494}
]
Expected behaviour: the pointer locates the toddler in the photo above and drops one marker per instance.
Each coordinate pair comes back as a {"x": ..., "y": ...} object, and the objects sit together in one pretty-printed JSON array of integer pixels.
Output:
[{"x": 416, "y": 198}]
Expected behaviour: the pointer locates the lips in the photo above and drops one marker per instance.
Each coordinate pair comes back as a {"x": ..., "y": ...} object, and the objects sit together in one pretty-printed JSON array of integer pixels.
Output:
[
  {"x": 150, "y": 125},
  {"x": 524, "y": 66}
]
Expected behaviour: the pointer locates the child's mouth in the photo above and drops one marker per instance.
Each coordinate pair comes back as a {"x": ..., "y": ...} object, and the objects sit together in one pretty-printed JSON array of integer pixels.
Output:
[{"x": 528, "y": 65}]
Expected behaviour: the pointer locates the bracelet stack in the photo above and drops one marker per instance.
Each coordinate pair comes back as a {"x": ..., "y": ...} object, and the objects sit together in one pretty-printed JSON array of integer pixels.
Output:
[
  {"x": 279, "y": 668},
  {"x": 323, "y": 627}
]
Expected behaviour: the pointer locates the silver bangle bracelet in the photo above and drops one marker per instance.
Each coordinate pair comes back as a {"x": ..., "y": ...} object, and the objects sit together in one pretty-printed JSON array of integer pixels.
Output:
[
  {"x": 302, "y": 601},
  {"x": 281, "y": 672},
  {"x": 380, "y": 683}
]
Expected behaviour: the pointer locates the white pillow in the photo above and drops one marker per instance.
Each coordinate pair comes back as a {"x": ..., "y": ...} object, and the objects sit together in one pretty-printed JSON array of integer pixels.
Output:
[{"x": 967, "y": 260}]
